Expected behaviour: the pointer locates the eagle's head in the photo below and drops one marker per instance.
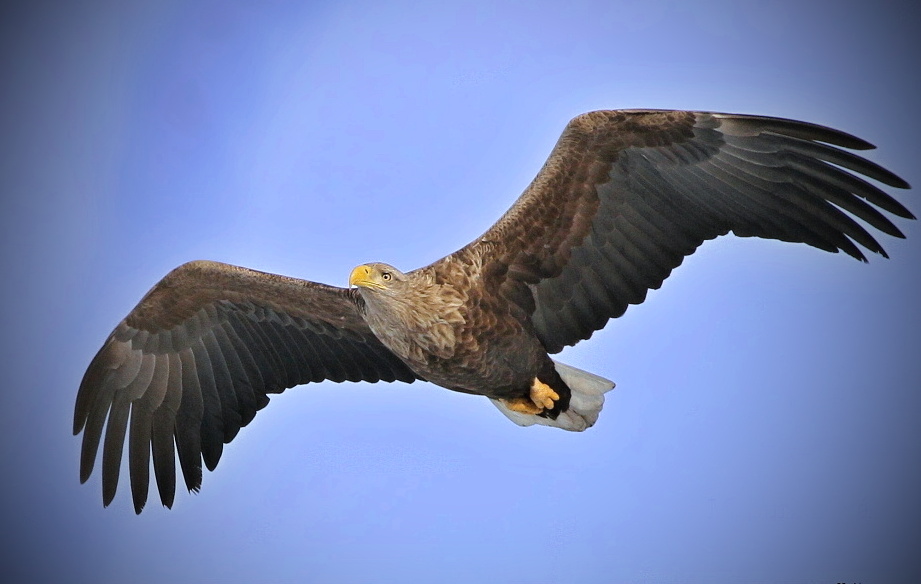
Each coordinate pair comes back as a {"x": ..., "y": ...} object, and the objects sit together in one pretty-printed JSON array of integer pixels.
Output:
[{"x": 379, "y": 277}]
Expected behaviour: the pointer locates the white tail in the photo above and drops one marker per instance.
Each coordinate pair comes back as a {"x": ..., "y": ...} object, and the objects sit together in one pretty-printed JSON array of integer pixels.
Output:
[{"x": 585, "y": 404}]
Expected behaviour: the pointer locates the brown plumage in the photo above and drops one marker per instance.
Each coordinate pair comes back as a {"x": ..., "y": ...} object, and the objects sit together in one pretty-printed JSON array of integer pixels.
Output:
[{"x": 622, "y": 199}]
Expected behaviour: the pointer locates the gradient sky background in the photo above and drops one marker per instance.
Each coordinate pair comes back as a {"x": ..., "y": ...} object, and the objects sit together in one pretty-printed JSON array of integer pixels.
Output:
[{"x": 766, "y": 425}]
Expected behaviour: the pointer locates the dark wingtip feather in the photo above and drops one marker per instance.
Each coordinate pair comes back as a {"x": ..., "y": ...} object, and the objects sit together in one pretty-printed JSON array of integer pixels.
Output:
[
  {"x": 88, "y": 450},
  {"x": 899, "y": 183},
  {"x": 108, "y": 494},
  {"x": 887, "y": 177},
  {"x": 798, "y": 129}
]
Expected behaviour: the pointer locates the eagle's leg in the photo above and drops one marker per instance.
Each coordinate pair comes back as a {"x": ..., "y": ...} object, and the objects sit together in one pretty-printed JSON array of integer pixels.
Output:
[{"x": 542, "y": 398}]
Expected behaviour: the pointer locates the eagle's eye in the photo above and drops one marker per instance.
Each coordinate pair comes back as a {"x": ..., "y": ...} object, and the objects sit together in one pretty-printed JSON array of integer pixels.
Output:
[{"x": 386, "y": 276}]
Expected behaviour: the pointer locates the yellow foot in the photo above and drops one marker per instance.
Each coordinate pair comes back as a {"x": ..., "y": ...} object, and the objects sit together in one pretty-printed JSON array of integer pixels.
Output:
[
  {"x": 522, "y": 405},
  {"x": 542, "y": 398}
]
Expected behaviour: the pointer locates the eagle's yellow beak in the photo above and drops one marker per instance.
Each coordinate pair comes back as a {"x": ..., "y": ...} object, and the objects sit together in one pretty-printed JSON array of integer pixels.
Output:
[{"x": 364, "y": 276}]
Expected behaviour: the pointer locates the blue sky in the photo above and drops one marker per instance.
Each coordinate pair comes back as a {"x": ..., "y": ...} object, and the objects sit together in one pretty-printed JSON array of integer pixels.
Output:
[{"x": 765, "y": 422}]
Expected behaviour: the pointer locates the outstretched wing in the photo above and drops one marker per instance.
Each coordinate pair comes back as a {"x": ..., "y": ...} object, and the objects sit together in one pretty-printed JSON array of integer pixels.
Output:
[
  {"x": 194, "y": 360},
  {"x": 626, "y": 195}
]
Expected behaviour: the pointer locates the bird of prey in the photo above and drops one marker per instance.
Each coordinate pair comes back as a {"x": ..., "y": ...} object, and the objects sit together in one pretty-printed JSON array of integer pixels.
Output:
[{"x": 624, "y": 196}]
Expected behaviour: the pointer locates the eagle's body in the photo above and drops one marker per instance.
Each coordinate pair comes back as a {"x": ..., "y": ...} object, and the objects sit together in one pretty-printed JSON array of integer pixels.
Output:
[
  {"x": 435, "y": 326},
  {"x": 622, "y": 199}
]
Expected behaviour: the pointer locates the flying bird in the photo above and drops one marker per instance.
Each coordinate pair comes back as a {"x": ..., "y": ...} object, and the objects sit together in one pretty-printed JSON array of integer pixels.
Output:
[{"x": 623, "y": 198}]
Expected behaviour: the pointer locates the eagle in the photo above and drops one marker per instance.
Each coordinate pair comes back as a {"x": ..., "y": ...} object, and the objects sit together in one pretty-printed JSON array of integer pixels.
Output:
[{"x": 624, "y": 196}]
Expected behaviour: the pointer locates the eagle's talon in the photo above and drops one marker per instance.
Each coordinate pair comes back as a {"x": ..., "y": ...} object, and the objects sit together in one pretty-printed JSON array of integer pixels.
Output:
[
  {"x": 522, "y": 405},
  {"x": 541, "y": 399},
  {"x": 543, "y": 395}
]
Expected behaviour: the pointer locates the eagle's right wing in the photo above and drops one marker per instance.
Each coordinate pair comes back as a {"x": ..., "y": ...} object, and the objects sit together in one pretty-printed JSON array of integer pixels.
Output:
[{"x": 195, "y": 360}]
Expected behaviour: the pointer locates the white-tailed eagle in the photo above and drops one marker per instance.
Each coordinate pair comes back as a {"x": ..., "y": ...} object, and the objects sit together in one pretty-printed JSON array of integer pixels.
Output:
[{"x": 622, "y": 199}]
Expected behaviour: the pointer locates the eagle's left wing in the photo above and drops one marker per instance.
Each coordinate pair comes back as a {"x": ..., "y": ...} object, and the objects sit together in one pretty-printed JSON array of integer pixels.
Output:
[{"x": 626, "y": 195}]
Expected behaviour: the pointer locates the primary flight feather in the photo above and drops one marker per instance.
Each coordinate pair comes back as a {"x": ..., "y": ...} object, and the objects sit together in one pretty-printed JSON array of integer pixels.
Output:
[{"x": 622, "y": 199}]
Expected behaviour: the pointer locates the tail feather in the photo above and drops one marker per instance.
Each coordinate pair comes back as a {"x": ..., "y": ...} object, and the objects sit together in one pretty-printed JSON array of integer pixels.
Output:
[{"x": 585, "y": 404}]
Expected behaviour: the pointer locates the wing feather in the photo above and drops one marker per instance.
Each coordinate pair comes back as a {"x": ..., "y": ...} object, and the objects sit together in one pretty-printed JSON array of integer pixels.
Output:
[
  {"x": 188, "y": 422},
  {"x": 195, "y": 360},
  {"x": 140, "y": 429},
  {"x": 139, "y": 440},
  {"x": 163, "y": 424}
]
